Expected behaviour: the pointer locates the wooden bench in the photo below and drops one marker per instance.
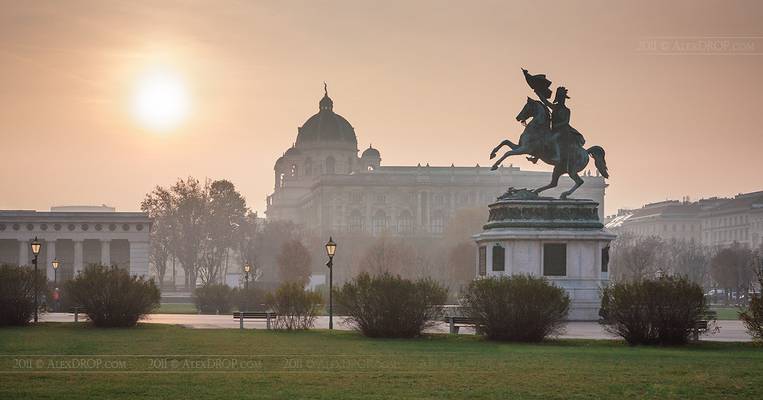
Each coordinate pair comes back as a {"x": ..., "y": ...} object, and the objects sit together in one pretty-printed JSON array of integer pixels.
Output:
[
  {"x": 266, "y": 315},
  {"x": 456, "y": 322},
  {"x": 699, "y": 327},
  {"x": 77, "y": 311}
]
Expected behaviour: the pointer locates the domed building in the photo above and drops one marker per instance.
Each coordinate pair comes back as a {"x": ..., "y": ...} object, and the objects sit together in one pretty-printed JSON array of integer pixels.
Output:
[{"x": 322, "y": 183}]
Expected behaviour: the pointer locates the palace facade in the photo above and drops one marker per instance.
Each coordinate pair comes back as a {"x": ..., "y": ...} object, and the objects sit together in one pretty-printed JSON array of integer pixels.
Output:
[{"x": 322, "y": 184}]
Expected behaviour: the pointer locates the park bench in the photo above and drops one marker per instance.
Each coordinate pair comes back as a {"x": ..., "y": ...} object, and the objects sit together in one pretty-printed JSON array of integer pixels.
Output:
[
  {"x": 266, "y": 315},
  {"x": 699, "y": 327},
  {"x": 455, "y": 322},
  {"x": 77, "y": 311}
]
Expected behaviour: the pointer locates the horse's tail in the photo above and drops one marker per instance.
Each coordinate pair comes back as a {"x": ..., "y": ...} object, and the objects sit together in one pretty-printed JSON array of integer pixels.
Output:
[{"x": 598, "y": 157}]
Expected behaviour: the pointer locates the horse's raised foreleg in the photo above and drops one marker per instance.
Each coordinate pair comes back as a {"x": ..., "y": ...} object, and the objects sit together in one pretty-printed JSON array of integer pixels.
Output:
[
  {"x": 516, "y": 151},
  {"x": 506, "y": 142},
  {"x": 554, "y": 180},
  {"x": 578, "y": 181}
]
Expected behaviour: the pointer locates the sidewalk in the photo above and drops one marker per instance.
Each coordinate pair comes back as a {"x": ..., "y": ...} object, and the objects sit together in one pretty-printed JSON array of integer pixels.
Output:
[{"x": 730, "y": 331}]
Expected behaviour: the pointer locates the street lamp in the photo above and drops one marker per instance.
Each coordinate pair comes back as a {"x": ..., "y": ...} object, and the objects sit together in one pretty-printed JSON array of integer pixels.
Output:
[
  {"x": 36, "y": 245},
  {"x": 56, "y": 264},
  {"x": 330, "y": 250},
  {"x": 247, "y": 269}
]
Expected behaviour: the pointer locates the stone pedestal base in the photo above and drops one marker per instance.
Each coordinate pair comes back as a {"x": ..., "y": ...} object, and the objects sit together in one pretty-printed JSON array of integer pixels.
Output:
[{"x": 562, "y": 240}]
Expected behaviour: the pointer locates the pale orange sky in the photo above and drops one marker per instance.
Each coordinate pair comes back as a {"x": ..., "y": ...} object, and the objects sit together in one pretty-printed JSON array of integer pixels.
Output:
[{"x": 424, "y": 81}]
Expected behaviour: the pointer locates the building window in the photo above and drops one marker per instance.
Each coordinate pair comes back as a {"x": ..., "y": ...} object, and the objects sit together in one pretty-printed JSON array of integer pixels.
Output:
[
  {"x": 405, "y": 222},
  {"x": 330, "y": 165},
  {"x": 482, "y": 260},
  {"x": 605, "y": 259},
  {"x": 555, "y": 259},
  {"x": 499, "y": 258},
  {"x": 379, "y": 222},
  {"x": 308, "y": 167},
  {"x": 356, "y": 197},
  {"x": 438, "y": 222},
  {"x": 356, "y": 221}
]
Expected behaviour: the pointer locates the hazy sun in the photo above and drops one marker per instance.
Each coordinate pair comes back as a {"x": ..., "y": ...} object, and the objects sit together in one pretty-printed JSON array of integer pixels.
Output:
[{"x": 160, "y": 100}]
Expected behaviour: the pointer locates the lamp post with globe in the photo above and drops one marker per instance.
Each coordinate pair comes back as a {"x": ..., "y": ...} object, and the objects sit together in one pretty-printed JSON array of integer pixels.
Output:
[
  {"x": 56, "y": 295},
  {"x": 330, "y": 251},
  {"x": 36, "y": 245}
]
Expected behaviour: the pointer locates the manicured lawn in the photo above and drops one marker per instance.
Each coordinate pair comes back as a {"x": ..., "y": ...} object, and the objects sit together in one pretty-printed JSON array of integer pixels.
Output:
[
  {"x": 726, "y": 313},
  {"x": 176, "y": 308},
  {"x": 58, "y": 361}
]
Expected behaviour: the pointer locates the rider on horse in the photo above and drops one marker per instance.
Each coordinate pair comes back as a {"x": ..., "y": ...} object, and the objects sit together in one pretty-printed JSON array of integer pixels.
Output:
[
  {"x": 549, "y": 137},
  {"x": 561, "y": 134}
]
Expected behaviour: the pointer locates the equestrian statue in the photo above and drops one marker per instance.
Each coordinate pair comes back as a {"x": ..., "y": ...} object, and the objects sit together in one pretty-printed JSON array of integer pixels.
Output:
[{"x": 549, "y": 137}]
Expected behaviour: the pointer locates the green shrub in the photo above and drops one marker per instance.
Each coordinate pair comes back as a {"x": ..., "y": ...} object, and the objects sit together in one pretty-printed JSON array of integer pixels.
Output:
[
  {"x": 519, "y": 308},
  {"x": 17, "y": 294},
  {"x": 111, "y": 297},
  {"x": 389, "y": 306},
  {"x": 296, "y": 308},
  {"x": 752, "y": 317},
  {"x": 251, "y": 298},
  {"x": 214, "y": 298},
  {"x": 662, "y": 311}
]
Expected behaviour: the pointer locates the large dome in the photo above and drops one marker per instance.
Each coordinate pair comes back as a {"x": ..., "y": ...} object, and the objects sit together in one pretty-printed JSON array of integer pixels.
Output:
[{"x": 326, "y": 126}]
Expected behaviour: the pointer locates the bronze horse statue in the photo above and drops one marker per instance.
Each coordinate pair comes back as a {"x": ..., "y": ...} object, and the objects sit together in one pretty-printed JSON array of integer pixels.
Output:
[{"x": 537, "y": 140}]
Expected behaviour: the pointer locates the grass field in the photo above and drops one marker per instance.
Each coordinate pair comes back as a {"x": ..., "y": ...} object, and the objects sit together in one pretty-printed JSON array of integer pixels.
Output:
[
  {"x": 176, "y": 308},
  {"x": 66, "y": 361},
  {"x": 726, "y": 313}
]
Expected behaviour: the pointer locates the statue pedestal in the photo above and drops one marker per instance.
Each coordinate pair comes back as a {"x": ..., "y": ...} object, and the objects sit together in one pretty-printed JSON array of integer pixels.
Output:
[{"x": 562, "y": 240}]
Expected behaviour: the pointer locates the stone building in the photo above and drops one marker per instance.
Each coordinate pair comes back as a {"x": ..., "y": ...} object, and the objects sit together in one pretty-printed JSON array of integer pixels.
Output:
[
  {"x": 76, "y": 236},
  {"x": 322, "y": 183},
  {"x": 670, "y": 219},
  {"x": 739, "y": 219},
  {"x": 713, "y": 221}
]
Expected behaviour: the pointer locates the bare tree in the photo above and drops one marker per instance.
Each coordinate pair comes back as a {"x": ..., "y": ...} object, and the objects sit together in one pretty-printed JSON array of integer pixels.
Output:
[
  {"x": 226, "y": 212},
  {"x": 461, "y": 263},
  {"x": 689, "y": 259},
  {"x": 732, "y": 268},
  {"x": 158, "y": 205},
  {"x": 294, "y": 262},
  {"x": 636, "y": 257},
  {"x": 196, "y": 224},
  {"x": 267, "y": 246},
  {"x": 248, "y": 234},
  {"x": 190, "y": 206},
  {"x": 387, "y": 255},
  {"x": 463, "y": 224}
]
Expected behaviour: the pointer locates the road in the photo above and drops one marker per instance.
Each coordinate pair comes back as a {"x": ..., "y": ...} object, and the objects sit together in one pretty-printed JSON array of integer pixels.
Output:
[{"x": 729, "y": 331}]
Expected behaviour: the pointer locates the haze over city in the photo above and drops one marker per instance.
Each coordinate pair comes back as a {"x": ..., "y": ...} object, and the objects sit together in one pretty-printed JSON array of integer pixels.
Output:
[{"x": 424, "y": 82}]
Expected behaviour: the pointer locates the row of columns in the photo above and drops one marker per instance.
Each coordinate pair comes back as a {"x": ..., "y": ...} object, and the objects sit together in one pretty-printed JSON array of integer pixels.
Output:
[{"x": 50, "y": 252}]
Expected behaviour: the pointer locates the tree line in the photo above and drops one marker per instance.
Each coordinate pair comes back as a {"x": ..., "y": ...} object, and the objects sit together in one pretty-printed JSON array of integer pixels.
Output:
[
  {"x": 208, "y": 229},
  {"x": 732, "y": 269}
]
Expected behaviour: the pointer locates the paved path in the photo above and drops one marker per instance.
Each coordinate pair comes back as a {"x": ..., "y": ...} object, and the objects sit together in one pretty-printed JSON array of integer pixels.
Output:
[{"x": 730, "y": 331}]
